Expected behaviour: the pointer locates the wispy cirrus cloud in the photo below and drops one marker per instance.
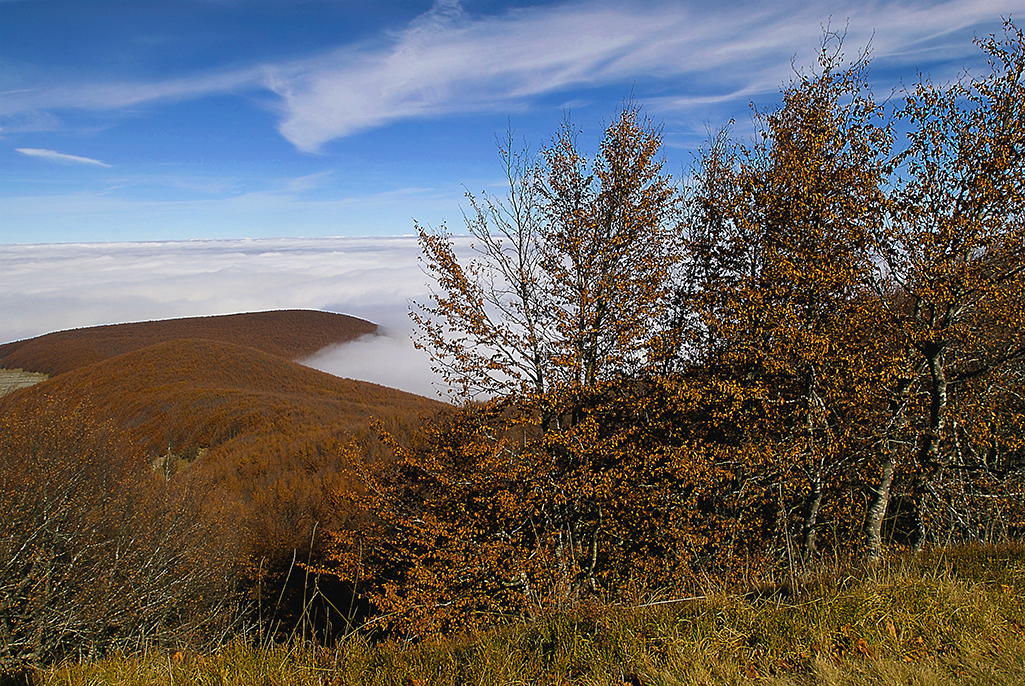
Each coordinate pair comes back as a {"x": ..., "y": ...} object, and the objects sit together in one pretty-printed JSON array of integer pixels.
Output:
[
  {"x": 59, "y": 157},
  {"x": 681, "y": 56},
  {"x": 448, "y": 62}
]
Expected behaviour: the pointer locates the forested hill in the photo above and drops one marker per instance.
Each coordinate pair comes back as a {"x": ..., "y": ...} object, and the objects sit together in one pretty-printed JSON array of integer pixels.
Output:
[
  {"x": 183, "y": 384},
  {"x": 291, "y": 334},
  {"x": 261, "y": 442},
  {"x": 181, "y": 395},
  {"x": 212, "y": 449}
]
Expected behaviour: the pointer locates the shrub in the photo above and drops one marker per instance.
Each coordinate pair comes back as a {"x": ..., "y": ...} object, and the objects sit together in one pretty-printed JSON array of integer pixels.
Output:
[{"x": 95, "y": 553}]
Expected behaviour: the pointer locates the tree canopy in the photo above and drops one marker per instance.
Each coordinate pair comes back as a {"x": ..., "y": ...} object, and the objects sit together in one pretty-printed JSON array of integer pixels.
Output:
[
  {"x": 812, "y": 347},
  {"x": 571, "y": 274}
]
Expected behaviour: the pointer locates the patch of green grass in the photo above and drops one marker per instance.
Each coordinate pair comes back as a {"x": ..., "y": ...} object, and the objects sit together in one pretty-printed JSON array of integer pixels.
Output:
[{"x": 941, "y": 618}]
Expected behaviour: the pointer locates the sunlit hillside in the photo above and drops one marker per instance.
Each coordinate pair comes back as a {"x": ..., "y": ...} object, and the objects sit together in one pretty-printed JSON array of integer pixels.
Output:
[
  {"x": 190, "y": 394},
  {"x": 217, "y": 409},
  {"x": 267, "y": 432},
  {"x": 292, "y": 334}
]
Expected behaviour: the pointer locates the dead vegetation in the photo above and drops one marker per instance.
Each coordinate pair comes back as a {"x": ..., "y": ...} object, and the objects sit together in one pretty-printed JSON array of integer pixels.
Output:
[{"x": 13, "y": 379}]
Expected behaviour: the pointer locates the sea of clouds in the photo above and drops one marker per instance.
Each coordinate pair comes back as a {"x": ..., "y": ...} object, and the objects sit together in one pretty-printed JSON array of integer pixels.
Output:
[{"x": 52, "y": 287}]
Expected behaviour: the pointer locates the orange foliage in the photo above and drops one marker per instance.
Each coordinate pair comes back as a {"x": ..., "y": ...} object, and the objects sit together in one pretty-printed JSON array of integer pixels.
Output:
[
  {"x": 955, "y": 270},
  {"x": 848, "y": 325},
  {"x": 489, "y": 516},
  {"x": 781, "y": 233},
  {"x": 844, "y": 324}
]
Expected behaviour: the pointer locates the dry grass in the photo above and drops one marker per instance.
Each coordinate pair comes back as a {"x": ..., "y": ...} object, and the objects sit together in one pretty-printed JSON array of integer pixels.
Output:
[
  {"x": 940, "y": 619},
  {"x": 13, "y": 379}
]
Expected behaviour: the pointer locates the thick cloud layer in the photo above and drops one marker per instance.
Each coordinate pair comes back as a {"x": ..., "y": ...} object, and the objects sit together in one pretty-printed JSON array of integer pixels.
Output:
[{"x": 46, "y": 288}]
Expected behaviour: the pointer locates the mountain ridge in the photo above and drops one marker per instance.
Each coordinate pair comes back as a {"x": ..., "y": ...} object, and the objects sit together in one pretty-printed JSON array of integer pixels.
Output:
[{"x": 291, "y": 334}]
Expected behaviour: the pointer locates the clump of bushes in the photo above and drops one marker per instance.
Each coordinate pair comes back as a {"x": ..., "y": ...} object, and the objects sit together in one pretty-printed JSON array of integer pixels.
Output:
[{"x": 97, "y": 554}]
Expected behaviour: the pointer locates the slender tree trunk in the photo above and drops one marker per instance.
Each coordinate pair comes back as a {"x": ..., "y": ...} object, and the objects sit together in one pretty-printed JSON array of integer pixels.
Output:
[
  {"x": 876, "y": 512},
  {"x": 930, "y": 458},
  {"x": 809, "y": 539}
]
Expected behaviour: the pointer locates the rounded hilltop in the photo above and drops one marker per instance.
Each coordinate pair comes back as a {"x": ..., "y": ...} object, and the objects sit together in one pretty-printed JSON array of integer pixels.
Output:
[{"x": 291, "y": 334}]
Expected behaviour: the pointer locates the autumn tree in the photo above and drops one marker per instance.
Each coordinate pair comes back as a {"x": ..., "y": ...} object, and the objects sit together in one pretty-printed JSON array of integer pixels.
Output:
[
  {"x": 570, "y": 276},
  {"x": 875, "y": 296},
  {"x": 954, "y": 252},
  {"x": 486, "y": 516},
  {"x": 840, "y": 318},
  {"x": 779, "y": 246}
]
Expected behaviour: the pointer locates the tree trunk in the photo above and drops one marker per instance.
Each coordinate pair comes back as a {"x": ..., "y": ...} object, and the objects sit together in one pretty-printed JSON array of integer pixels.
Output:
[
  {"x": 809, "y": 539},
  {"x": 876, "y": 512},
  {"x": 930, "y": 457}
]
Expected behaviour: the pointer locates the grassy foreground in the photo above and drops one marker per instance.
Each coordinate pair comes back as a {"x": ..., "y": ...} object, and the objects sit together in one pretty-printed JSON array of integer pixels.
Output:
[{"x": 945, "y": 617}]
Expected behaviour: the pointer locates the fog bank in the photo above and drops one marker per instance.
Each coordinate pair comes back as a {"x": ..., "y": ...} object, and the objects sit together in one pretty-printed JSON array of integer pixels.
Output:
[{"x": 51, "y": 287}]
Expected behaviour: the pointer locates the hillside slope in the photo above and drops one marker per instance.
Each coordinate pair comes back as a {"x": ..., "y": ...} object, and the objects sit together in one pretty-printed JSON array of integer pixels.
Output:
[
  {"x": 266, "y": 440},
  {"x": 187, "y": 393},
  {"x": 256, "y": 448},
  {"x": 291, "y": 334}
]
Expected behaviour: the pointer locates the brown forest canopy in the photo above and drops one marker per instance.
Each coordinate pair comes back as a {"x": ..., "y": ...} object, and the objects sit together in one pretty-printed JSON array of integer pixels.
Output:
[
  {"x": 263, "y": 432},
  {"x": 292, "y": 334}
]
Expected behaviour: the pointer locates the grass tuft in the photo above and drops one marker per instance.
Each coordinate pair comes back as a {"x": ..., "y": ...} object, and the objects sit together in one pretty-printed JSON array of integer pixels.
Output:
[{"x": 939, "y": 619}]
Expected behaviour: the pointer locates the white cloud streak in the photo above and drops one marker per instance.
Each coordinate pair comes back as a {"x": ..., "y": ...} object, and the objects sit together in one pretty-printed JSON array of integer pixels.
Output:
[
  {"x": 119, "y": 95},
  {"x": 53, "y": 287},
  {"x": 59, "y": 157},
  {"x": 446, "y": 62},
  {"x": 449, "y": 63}
]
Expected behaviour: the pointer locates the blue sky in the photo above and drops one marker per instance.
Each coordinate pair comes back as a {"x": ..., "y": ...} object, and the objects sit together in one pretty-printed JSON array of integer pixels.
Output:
[{"x": 220, "y": 119}]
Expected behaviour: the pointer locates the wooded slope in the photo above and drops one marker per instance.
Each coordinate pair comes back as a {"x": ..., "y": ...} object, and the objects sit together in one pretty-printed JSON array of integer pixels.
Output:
[
  {"x": 185, "y": 394},
  {"x": 261, "y": 436},
  {"x": 291, "y": 334},
  {"x": 270, "y": 433}
]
